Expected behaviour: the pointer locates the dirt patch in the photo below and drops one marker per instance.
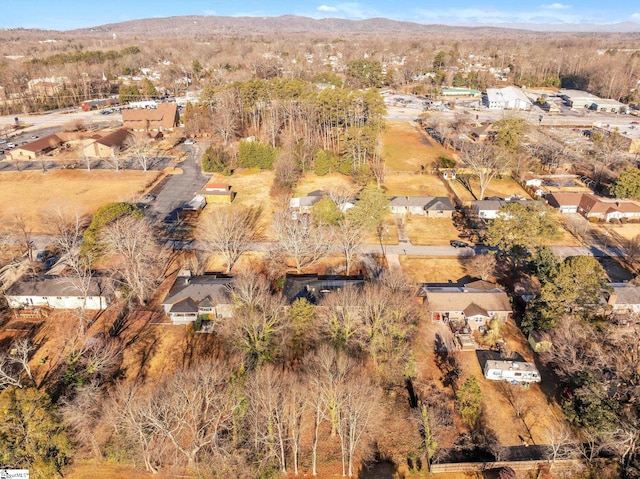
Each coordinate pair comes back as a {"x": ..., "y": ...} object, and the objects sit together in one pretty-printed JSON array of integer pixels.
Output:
[
  {"x": 31, "y": 193},
  {"x": 407, "y": 148}
]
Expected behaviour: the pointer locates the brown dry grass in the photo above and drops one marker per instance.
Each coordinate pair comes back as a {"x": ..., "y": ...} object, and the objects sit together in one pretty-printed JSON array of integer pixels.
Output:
[
  {"x": 406, "y": 147},
  {"x": 252, "y": 189},
  {"x": 31, "y": 193},
  {"x": 311, "y": 182},
  {"x": 430, "y": 231},
  {"x": 627, "y": 232},
  {"x": 415, "y": 185},
  {"x": 389, "y": 233},
  {"x": 433, "y": 269}
]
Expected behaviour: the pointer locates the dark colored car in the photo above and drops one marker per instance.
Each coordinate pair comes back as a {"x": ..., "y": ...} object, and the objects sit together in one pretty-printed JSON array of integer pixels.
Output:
[{"x": 458, "y": 244}]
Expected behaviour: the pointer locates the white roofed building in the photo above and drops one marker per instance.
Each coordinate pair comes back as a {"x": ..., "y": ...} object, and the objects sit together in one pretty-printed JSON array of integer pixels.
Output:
[{"x": 507, "y": 98}]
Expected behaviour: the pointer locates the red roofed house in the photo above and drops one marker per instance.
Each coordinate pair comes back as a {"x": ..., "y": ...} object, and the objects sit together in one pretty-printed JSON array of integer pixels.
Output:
[
  {"x": 163, "y": 117},
  {"x": 105, "y": 146},
  {"x": 217, "y": 193},
  {"x": 36, "y": 148},
  {"x": 591, "y": 206}
]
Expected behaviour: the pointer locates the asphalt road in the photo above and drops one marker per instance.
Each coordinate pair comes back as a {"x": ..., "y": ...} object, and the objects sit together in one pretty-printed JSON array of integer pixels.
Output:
[{"x": 177, "y": 189}]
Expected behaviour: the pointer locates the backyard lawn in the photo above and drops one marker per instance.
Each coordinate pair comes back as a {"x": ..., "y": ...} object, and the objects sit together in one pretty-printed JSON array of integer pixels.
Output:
[
  {"x": 430, "y": 231},
  {"x": 415, "y": 185},
  {"x": 407, "y": 148}
]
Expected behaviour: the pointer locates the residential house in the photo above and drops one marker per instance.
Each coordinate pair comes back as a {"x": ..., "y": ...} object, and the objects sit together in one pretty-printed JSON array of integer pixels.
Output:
[
  {"x": 429, "y": 206},
  {"x": 107, "y": 145},
  {"x": 303, "y": 204},
  {"x": 57, "y": 292},
  {"x": 591, "y": 206},
  {"x": 624, "y": 298},
  {"x": 512, "y": 371},
  {"x": 36, "y": 148},
  {"x": 164, "y": 117},
  {"x": 217, "y": 193},
  {"x": 507, "y": 98},
  {"x": 473, "y": 304},
  {"x": 205, "y": 296},
  {"x": 489, "y": 209},
  {"x": 313, "y": 287},
  {"x": 482, "y": 132}
]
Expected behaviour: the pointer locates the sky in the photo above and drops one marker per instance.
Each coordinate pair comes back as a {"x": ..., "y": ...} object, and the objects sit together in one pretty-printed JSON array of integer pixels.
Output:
[{"x": 70, "y": 14}]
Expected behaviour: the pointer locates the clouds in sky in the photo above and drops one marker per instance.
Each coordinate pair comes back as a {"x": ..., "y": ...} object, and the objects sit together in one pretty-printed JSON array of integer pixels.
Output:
[
  {"x": 554, "y": 12},
  {"x": 351, "y": 10},
  {"x": 556, "y": 6}
]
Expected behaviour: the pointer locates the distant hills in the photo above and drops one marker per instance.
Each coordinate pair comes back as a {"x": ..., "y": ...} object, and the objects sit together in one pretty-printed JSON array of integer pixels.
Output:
[{"x": 193, "y": 25}]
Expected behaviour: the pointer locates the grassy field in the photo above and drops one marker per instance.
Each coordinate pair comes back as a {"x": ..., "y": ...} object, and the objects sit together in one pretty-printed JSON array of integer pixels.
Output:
[
  {"x": 430, "y": 231},
  {"x": 415, "y": 185},
  {"x": 407, "y": 148},
  {"x": 311, "y": 182},
  {"x": 32, "y": 193},
  {"x": 429, "y": 269}
]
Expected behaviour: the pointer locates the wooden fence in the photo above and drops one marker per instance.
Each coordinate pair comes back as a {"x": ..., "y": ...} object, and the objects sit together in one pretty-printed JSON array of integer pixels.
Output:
[{"x": 515, "y": 465}]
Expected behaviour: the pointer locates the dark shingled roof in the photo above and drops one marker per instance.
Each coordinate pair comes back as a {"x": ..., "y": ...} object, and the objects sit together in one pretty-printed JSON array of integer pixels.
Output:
[
  {"x": 198, "y": 288},
  {"x": 57, "y": 286},
  {"x": 312, "y": 286}
]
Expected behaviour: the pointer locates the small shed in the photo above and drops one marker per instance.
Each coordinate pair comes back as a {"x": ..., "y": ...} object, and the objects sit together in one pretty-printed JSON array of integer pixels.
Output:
[
  {"x": 539, "y": 342},
  {"x": 217, "y": 193}
]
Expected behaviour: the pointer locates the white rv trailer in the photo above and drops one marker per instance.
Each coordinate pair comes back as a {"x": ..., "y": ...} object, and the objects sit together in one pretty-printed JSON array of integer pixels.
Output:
[{"x": 513, "y": 371}]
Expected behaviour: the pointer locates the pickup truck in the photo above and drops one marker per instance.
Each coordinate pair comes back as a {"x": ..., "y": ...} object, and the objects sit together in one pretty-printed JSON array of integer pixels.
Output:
[{"x": 458, "y": 244}]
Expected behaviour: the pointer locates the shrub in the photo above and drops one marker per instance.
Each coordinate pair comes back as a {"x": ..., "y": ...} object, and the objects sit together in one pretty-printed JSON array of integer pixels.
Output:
[
  {"x": 624, "y": 220},
  {"x": 255, "y": 154},
  {"x": 105, "y": 215},
  {"x": 216, "y": 160}
]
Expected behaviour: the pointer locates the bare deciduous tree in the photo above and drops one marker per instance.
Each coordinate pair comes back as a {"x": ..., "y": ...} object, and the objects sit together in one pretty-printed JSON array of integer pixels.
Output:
[
  {"x": 230, "y": 232},
  {"x": 300, "y": 239},
  {"x": 482, "y": 265},
  {"x": 140, "y": 147},
  {"x": 348, "y": 236},
  {"x": 486, "y": 162},
  {"x": 138, "y": 258}
]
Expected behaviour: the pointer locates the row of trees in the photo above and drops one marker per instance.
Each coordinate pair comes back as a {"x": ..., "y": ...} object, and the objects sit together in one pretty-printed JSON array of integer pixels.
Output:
[
  {"x": 302, "y": 238},
  {"x": 294, "y": 112}
]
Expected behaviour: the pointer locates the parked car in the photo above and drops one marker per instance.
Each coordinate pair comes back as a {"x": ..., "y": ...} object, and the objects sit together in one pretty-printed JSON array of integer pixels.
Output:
[
  {"x": 10, "y": 145},
  {"x": 458, "y": 244},
  {"x": 149, "y": 197},
  {"x": 34, "y": 137},
  {"x": 190, "y": 142}
]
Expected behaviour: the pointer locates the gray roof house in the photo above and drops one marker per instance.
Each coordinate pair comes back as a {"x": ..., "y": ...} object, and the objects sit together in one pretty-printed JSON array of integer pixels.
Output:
[
  {"x": 624, "y": 298},
  {"x": 59, "y": 292},
  {"x": 303, "y": 204},
  {"x": 429, "y": 206},
  {"x": 313, "y": 287},
  {"x": 205, "y": 296}
]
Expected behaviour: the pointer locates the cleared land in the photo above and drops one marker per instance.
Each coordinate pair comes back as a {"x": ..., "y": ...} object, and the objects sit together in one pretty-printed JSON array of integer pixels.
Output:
[
  {"x": 407, "y": 148},
  {"x": 415, "y": 185},
  {"x": 312, "y": 182},
  {"x": 430, "y": 269},
  {"x": 430, "y": 231},
  {"x": 31, "y": 193}
]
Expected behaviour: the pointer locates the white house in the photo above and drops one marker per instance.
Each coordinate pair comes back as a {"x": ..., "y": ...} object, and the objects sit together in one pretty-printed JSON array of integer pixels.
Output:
[
  {"x": 514, "y": 371},
  {"x": 59, "y": 293},
  {"x": 489, "y": 209},
  {"x": 507, "y": 98}
]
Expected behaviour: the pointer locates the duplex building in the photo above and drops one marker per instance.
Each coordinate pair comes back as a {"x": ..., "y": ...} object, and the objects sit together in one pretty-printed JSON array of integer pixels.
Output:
[
  {"x": 58, "y": 292},
  {"x": 591, "y": 206}
]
